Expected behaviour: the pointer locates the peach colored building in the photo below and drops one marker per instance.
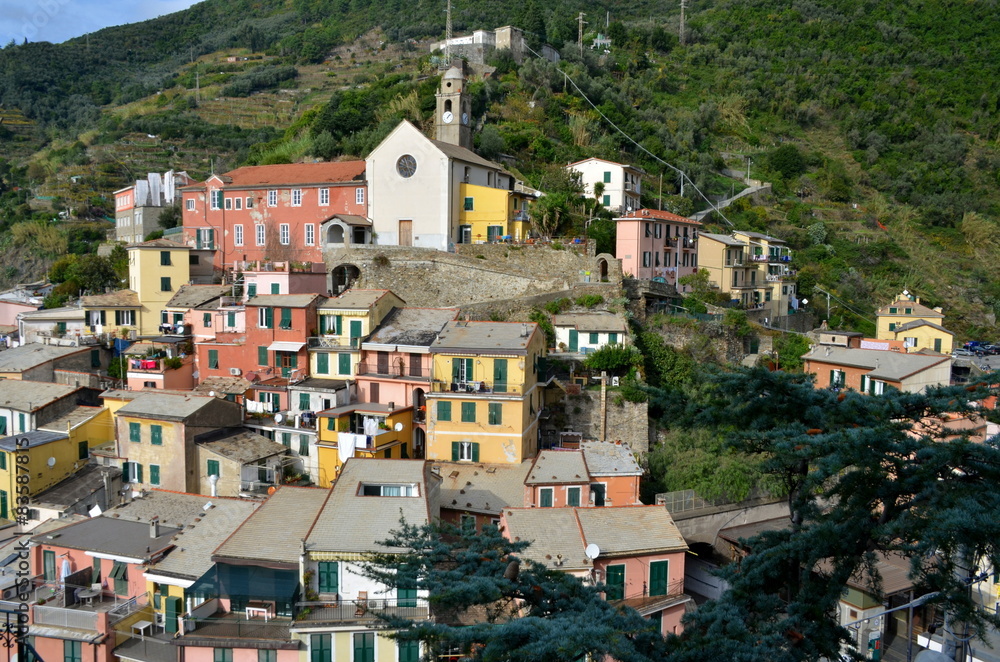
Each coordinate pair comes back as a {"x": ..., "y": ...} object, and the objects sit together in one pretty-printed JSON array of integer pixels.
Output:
[
  {"x": 872, "y": 371},
  {"x": 635, "y": 552},
  {"x": 657, "y": 244},
  {"x": 274, "y": 213}
]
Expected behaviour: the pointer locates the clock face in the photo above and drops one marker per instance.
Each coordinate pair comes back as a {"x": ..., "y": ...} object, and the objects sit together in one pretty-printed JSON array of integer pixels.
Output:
[
  {"x": 465, "y": 118},
  {"x": 406, "y": 165},
  {"x": 447, "y": 117}
]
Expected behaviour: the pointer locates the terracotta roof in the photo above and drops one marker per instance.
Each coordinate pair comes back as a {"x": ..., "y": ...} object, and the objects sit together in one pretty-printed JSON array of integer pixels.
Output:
[
  {"x": 299, "y": 174},
  {"x": 117, "y": 299},
  {"x": 916, "y": 309},
  {"x": 657, "y": 214},
  {"x": 192, "y": 296}
]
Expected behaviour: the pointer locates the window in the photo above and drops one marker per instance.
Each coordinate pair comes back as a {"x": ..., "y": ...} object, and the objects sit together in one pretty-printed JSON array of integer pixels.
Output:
[
  {"x": 265, "y": 317},
  {"x": 594, "y": 338},
  {"x": 154, "y": 474},
  {"x": 262, "y": 355},
  {"x": 231, "y": 319},
  {"x": 892, "y": 326},
  {"x": 658, "y": 230},
  {"x": 156, "y": 435},
  {"x": 190, "y": 204},
  {"x": 82, "y": 453},
  {"x": 572, "y": 496},
  {"x": 216, "y": 199},
  {"x": 229, "y": 204},
  {"x": 165, "y": 284},
  {"x": 49, "y": 564},
  {"x": 261, "y": 234},
  {"x": 249, "y": 202},
  {"x": 937, "y": 345},
  {"x": 213, "y": 468},
  {"x": 495, "y": 413},
  {"x": 323, "y": 363},
  {"x": 359, "y": 196},
  {"x": 296, "y": 197},
  {"x": 647, "y": 259},
  {"x": 409, "y": 651},
  {"x": 303, "y": 401},
  {"x": 324, "y": 196},
  {"x": 394, "y": 490},
  {"x": 614, "y": 583},
  {"x": 222, "y": 655},
  {"x": 304, "y": 445},
  {"x": 612, "y": 338},
  {"x": 165, "y": 258},
  {"x": 344, "y": 363},
  {"x": 468, "y": 412},
  {"x": 469, "y": 204},
  {"x": 329, "y": 577},
  {"x": 320, "y": 648},
  {"x": 310, "y": 234},
  {"x": 607, "y": 176},
  {"x": 443, "y": 410},
  {"x": 907, "y": 311},
  {"x": 238, "y": 235},
  {"x": 119, "y": 573},
  {"x": 272, "y": 198},
  {"x": 124, "y": 318},
  {"x": 606, "y": 201},
  {"x": 545, "y": 497},
  {"x": 837, "y": 378},
  {"x": 658, "y": 577},
  {"x": 72, "y": 651},
  {"x": 206, "y": 320},
  {"x": 284, "y": 235},
  {"x": 286, "y": 439},
  {"x": 213, "y": 359},
  {"x": 134, "y": 432},
  {"x": 251, "y": 290},
  {"x": 263, "y": 654},
  {"x": 464, "y": 451},
  {"x": 238, "y": 204},
  {"x": 364, "y": 647},
  {"x": 286, "y": 318},
  {"x": 275, "y": 288}
]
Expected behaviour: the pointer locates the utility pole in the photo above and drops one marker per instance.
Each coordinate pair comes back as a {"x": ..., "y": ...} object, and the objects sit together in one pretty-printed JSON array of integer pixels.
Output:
[
  {"x": 447, "y": 36},
  {"x": 661, "y": 191},
  {"x": 682, "y": 184},
  {"x": 681, "y": 35},
  {"x": 581, "y": 22}
]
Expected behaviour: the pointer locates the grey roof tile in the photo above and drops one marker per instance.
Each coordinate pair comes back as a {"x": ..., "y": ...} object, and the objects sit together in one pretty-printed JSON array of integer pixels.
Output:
[
  {"x": 592, "y": 322},
  {"x": 413, "y": 327},
  {"x": 272, "y": 532},
  {"x": 484, "y": 336},
  {"x": 607, "y": 458},
  {"x": 19, "y": 359},
  {"x": 484, "y": 488},
  {"x": 31, "y": 396},
  {"x": 557, "y": 466}
]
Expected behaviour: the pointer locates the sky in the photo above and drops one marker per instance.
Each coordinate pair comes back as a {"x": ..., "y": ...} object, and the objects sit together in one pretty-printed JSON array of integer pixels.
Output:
[{"x": 59, "y": 20}]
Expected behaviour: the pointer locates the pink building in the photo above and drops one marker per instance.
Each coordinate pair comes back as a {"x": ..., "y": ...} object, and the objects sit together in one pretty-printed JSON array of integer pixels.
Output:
[
  {"x": 656, "y": 244},
  {"x": 283, "y": 213},
  {"x": 635, "y": 552}
]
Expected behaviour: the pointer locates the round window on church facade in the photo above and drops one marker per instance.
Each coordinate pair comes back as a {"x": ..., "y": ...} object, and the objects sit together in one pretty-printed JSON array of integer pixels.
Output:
[{"x": 406, "y": 165}]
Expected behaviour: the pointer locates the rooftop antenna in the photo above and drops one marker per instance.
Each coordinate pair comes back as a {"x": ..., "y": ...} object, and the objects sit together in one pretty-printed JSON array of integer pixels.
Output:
[
  {"x": 582, "y": 23},
  {"x": 447, "y": 35}
]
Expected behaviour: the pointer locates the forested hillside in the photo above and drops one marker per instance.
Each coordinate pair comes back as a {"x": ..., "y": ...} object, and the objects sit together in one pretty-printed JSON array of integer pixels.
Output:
[{"x": 875, "y": 121}]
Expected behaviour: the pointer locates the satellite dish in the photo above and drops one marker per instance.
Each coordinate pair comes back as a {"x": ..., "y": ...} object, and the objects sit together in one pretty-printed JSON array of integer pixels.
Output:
[
  {"x": 398, "y": 427},
  {"x": 278, "y": 418},
  {"x": 51, "y": 462},
  {"x": 211, "y": 393},
  {"x": 592, "y": 551}
]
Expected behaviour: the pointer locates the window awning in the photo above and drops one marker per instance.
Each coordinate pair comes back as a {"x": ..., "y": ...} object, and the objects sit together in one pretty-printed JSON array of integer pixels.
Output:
[{"x": 285, "y": 346}]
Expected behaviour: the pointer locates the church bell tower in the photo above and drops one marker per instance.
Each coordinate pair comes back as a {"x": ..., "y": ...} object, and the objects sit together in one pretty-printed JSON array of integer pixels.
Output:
[{"x": 454, "y": 110}]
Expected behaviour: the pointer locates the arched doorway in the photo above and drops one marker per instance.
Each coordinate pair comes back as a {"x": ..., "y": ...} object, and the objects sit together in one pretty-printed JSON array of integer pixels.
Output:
[
  {"x": 335, "y": 234},
  {"x": 419, "y": 443},
  {"x": 343, "y": 277},
  {"x": 602, "y": 268}
]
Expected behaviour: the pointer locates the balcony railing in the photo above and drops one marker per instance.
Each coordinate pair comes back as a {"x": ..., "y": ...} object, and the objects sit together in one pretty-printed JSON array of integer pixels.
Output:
[
  {"x": 67, "y": 618},
  {"x": 774, "y": 278},
  {"x": 231, "y": 626},
  {"x": 393, "y": 369},
  {"x": 341, "y": 611},
  {"x": 760, "y": 258},
  {"x": 475, "y": 387},
  {"x": 779, "y": 258},
  {"x": 520, "y": 216},
  {"x": 333, "y": 342},
  {"x": 230, "y": 302}
]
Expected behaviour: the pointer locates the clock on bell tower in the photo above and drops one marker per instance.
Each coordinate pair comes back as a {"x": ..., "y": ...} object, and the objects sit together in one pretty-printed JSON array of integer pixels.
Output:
[{"x": 454, "y": 110}]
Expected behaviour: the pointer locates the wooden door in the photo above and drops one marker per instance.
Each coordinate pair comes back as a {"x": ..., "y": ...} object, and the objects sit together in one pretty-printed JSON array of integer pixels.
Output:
[{"x": 406, "y": 233}]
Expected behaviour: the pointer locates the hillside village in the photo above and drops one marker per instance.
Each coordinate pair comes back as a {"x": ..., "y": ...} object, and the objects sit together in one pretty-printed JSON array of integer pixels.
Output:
[{"x": 321, "y": 349}]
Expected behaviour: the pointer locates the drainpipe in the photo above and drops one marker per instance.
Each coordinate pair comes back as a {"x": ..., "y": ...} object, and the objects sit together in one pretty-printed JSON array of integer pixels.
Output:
[{"x": 604, "y": 406}]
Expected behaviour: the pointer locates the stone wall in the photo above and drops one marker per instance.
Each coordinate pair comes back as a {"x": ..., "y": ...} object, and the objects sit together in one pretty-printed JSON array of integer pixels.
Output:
[
  {"x": 518, "y": 309},
  {"x": 628, "y": 422},
  {"x": 476, "y": 274}
]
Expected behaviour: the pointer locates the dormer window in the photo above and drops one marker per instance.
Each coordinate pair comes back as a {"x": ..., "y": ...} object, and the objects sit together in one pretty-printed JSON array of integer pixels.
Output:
[{"x": 389, "y": 490}]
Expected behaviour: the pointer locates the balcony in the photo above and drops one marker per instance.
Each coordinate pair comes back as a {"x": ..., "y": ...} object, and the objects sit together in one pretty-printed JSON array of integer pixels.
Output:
[
  {"x": 332, "y": 342},
  {"x": 779, "y": 258},
  {"x": 520, "y": 216},
  {"x": 230, "y": 302},
  {"x": 65, "y": 617},
  {"x": 235, "y": 625},
  {"x": 787, "y": 275},
  {"x": 475, "y": 388},
  {"x": 363, "y": 611},
  {"x": 278, "y": 266},
  {"x": 394, "y": 370},
  {"x": 760, "y": 258}
]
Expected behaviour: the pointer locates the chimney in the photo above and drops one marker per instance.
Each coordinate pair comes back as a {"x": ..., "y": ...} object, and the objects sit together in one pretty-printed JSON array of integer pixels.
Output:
[
  {"x": 524, "y": 330},
  {"x": 154, "y": 527}
]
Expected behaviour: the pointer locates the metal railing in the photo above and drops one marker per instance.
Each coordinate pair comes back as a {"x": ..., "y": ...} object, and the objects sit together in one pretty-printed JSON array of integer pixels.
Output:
[
  {"x": 475, "y": 387},
  {"x": 130, "y": 606},
  {"x": 229, "y": 627},
  {"x": 355, "y": 610},
  {"x": 64, "y": 617},
  {"x": 392, "y": 369},
  {"x": 333, "y": 342}
]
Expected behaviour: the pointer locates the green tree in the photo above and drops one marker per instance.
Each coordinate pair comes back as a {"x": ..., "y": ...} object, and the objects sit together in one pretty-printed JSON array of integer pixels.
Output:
[
  {"x": 170, "y": 217},
  {"x": 604, "y": 232},
  {"x": 790, "y": 348},
  {"x": 865, "y": 475},
  {"x": 787, "y": 161},
  {"x": 616, "y": 359},
  {"x": 522, "y": 610}
]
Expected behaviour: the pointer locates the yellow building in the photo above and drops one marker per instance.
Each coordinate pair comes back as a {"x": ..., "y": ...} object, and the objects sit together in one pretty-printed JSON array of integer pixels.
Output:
[
  {"x": 485, "y": 396},
  {"x": 752, "y": 268},
  {"x": 344, "y": 322},
  {"x": 343, "y": 435},
  {"x": 49, "y": 455},
  {"x": 488, "y": 214},
  {"x": 914, "y": 324}
]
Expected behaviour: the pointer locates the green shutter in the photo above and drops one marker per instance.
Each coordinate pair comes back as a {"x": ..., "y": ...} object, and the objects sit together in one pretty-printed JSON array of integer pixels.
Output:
[
  {"x": 293, "y": 360},
  {"x": 455, "y": 451},
  {"x": 409, "y": 651},
  {"x": 344, "y": 363},
  {"x": 594, "y": 339},
  {"x": 275, "y": 288},
  {"x": 444, "y": 410},
  {"x": 456, "y": 369},
  {"x": 118, "y": 318},
  {"x": 156, "y": 435},
  {"x": 403, "y": 454},
  {"x": 213, "y": 359},
  {"x": 574, "y": 340},
  {"x": 154, "y": 474},
  {"x": 573, "y": 496},
  {"x": 303, "y": 401},
  {"x": 206, "y": 320},
  {"x": 329, "y": 578},
  {"x": 612, "y": 338},
  {"x": 406, "y": 597},
  {"x": 355, "y": 328},
  {"x": 262, "y": 355},
  {"x": 322, "y": 324},
  {"x": 468, "y": 412},
  {"x": 545, "y": 497},
  {"x": 495, "y": 413},
  {"x": 104, "y": 318},
  {"x": 269, "y": 318},
  {"x": 892, "y": 326},
  {"x": 320, "y": 648},
  {"x": 304, "y": 445},
  {"x": 475, "y": 451},
  {"x": 231, "y": 319},
  {"x": 937, "y": 345},
  {"x": 213, "y": 468},
  {"x": 3, "y": 458},
  {"x": 134, "y": 432},
  {"x": 331, "y": 423},
  {"x": 251, "y": 290},
  {"x": 323, "y": 363},
  {"x": 286, "y": 318},
  {"x": 339, "y": 328},
  {"x": 658, "y": 577},
  {"x": 500, "y": 375},
  {"x": 286, "y": 439},
  {"x": 138, "y": 472},
  {"x": 833, "y": 378},
  {"x": 364, "y": 647},
  {"x": 614, "y": 585}
]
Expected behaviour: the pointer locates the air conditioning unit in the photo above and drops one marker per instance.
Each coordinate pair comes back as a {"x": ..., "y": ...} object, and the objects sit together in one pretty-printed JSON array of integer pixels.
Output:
[
  {"x": 160, "y": 619},
  {"x": 235, "y": 372}
]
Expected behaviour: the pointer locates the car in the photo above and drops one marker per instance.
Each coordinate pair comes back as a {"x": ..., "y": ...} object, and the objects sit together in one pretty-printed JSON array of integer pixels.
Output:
[
  {"x": 991, "y": 350},
  {"x": 962, "y": 353}
]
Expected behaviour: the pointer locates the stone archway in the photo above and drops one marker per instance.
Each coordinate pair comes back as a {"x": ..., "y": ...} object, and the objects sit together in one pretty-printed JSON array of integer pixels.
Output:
[
  {"x": 602, "y": 270},
  {"x": 343, "y": 276}
]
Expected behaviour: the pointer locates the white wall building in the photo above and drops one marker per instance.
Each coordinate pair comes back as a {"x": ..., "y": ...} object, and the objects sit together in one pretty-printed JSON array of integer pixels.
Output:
[{"x": 622, "y": 183}]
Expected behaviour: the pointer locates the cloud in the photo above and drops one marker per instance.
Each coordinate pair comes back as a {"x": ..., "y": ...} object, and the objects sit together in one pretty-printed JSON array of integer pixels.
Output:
[{"x": 59, "y": 20}]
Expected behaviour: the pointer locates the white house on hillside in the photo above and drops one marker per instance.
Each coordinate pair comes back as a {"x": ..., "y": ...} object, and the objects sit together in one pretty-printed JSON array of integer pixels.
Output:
[{"x": 622, "y": 183}]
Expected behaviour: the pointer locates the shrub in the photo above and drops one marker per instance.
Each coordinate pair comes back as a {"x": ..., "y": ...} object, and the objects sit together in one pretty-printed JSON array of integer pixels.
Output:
[
  {"x": 589, "y": 300},
  {"x": 614, "y": 358},
  {"x": 558, "y": 306}
]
